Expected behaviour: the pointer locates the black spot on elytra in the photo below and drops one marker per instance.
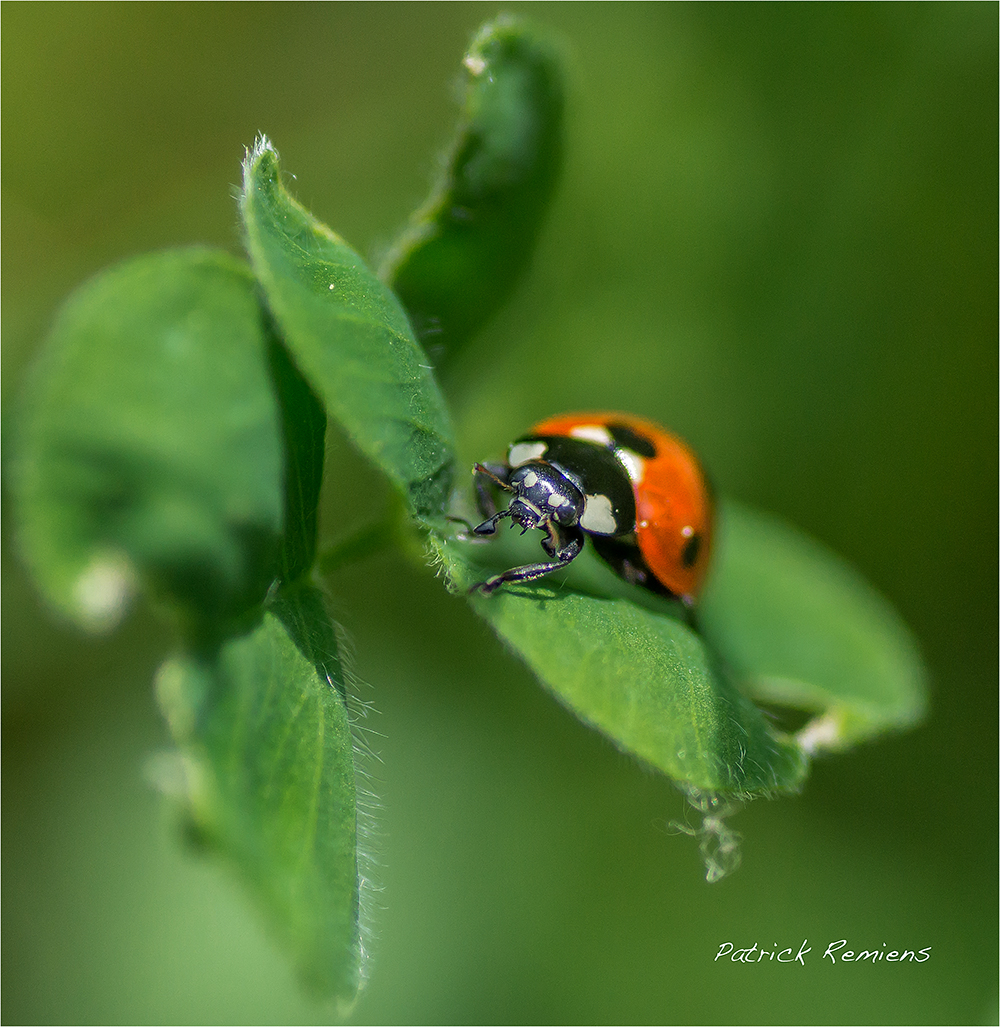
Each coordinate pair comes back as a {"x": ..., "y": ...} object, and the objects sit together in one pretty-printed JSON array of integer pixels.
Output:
[
  {"x": 628, "y": 438},
  {"x": 689, "y": 554}
]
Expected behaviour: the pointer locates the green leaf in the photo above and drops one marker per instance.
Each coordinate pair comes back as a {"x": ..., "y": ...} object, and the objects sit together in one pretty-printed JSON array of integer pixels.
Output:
[
  {"x": 783, "y": 621},
  {"x": 151, "y": 448},
  {"x": 350, "y": 338},
  {"x": 644, "y": 679},
  {"x": 804, "y": 630},
  {"x": 268, "y": 779},
  {"x": 466, "y": 248},
  {"x": 303, "y": 422}
]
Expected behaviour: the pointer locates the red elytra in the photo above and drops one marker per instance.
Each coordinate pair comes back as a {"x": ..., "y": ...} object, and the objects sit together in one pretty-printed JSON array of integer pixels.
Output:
[{"x": 673, "y": 525}]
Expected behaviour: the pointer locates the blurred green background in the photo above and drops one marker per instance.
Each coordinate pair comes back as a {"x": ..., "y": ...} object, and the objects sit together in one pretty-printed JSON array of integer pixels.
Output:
[{"x": 776, "y": 233}]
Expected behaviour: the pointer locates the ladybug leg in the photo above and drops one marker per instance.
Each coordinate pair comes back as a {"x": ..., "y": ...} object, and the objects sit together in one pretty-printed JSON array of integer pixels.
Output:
[
  {"x": 489, "y": 526},
  {"x": 563, "y": 545},
  {"x": 557, "y": 540}
]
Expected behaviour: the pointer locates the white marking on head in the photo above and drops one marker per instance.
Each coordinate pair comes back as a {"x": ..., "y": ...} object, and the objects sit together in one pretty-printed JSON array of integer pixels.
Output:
[
  {"x": 522, "y": 452},
  {"x": 592, "y": 433},
  {"x": 556, "y": 500},
  {"x": 634, "y": 464},
  {"x": 529, "y": 480},
  {"x": 598, "y": 516},
  {"x": 474, "y": 63}
]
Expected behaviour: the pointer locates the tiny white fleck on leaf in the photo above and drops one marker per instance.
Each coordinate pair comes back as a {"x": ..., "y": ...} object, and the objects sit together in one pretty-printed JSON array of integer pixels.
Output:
[{"x": 102, "y": 592}]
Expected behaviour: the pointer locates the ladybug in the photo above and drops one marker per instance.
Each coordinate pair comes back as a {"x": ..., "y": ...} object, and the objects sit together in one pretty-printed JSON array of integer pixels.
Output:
[{"x": 634, "y": 489}]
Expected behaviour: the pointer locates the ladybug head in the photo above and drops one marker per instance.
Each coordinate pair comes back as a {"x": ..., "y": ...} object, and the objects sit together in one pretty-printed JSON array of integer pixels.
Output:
[{"x": 542, "y": 493}]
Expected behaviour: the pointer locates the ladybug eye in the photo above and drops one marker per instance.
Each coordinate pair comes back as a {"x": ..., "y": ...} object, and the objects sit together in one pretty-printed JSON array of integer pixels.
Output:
[{"x": 524, "y": 514}]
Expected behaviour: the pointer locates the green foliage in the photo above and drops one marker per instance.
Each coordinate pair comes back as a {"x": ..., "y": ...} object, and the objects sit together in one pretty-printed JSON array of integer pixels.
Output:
[
  {"x": 303, "y": 422},
  {"x": 803, "y": 630},
  {"x": 643, "y": 678},
  {"x": 782, "y": 621},
  {"x": 152, "y": 445},
  {"x": 174, "y": 439},
  {"x": 171, "y": 443},
  {"x": 350, "y": 337},
  {"x": 262, "y": 727},
  {"x": 468, "y": 245}
]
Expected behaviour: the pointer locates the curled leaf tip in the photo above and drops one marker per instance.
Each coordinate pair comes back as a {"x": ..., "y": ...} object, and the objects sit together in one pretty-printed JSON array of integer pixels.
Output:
[{"x": 468, "y": 244}]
